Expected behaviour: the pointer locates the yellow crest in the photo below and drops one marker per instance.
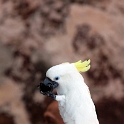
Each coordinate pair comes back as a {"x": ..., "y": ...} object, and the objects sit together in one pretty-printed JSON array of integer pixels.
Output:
[{"x": 82, "y": 66}]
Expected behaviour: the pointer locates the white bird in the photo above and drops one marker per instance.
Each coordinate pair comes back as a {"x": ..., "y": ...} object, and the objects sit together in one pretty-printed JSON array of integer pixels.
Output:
[{"x": 73, "y": 96}]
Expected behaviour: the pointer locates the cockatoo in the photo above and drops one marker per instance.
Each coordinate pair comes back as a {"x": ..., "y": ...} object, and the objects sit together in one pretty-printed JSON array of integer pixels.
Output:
[{"x": 73, "y": 96}]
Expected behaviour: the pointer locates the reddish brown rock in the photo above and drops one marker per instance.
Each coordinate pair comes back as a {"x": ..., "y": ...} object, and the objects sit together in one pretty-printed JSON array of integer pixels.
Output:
[{"x": 52, "y": 115}]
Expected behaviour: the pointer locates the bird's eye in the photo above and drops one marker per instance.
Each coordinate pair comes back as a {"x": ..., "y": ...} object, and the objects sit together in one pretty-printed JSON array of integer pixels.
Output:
[{"x": 57, "y": 78}]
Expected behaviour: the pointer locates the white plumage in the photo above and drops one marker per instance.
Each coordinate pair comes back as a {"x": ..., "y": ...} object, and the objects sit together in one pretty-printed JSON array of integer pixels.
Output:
[{"x": 73, "y": 96}]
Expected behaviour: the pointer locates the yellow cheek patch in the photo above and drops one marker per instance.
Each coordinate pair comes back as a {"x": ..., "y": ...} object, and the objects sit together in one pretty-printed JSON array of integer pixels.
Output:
[{"x": 82, "y": 66}]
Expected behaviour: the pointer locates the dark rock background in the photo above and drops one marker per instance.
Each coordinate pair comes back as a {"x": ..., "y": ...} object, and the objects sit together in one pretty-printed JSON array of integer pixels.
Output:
[{"x": 34, "y": 35}]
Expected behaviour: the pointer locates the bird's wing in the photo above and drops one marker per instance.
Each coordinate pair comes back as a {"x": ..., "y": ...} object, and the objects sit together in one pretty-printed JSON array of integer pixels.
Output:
[{"x": 81, "y": 109}]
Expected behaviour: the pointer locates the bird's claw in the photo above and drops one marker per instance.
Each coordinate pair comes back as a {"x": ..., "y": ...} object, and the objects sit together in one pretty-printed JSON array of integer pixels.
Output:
[{"x": 49, "y": 94}]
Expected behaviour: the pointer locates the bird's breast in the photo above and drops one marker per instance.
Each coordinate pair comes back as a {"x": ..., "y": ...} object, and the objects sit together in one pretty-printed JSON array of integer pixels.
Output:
[{"x": 64, "y": 114}]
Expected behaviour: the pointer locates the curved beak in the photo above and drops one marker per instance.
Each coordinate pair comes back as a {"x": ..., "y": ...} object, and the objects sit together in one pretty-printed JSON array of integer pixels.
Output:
[{"x": 47, "y": 86}]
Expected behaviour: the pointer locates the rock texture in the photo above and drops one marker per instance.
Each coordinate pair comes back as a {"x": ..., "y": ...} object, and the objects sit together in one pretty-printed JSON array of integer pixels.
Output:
[{"x": 35, "y": 35}]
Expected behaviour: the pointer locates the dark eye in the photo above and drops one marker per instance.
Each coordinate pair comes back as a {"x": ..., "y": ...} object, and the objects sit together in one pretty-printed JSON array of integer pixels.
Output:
[{"x": 57, "y": 78}]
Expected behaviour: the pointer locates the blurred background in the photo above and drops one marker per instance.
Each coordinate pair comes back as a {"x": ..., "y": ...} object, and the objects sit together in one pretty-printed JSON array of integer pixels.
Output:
[{"x": 37, "y": 34}]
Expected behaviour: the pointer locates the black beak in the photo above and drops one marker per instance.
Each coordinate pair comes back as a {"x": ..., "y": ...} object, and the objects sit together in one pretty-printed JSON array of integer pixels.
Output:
[{"x": 47, "y": 86}]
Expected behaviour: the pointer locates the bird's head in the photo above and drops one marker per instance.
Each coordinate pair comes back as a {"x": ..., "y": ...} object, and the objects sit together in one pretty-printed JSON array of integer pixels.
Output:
[{"x": 62, "y": 75}]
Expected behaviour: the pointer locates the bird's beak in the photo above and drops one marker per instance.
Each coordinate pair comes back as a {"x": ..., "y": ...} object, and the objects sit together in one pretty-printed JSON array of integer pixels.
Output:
[{"x": 47, "y": 86}]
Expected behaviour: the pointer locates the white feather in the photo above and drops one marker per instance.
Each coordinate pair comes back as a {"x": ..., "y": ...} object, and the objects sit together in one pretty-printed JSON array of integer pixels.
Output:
[{"x": 75, "y": 103}]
